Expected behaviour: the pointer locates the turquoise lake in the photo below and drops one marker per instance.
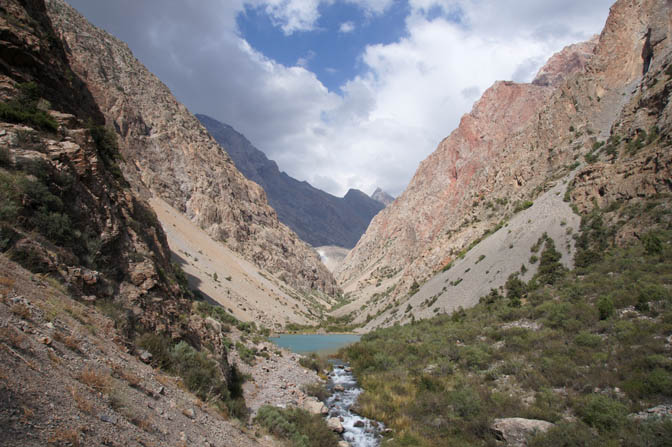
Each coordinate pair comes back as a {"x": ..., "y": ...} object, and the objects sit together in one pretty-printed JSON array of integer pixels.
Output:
[{"x": 320, "y": 343}]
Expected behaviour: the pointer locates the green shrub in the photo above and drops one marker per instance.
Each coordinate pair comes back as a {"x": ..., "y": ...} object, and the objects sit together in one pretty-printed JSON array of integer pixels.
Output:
[
  {"x": 566, "y": 435},
  {"x": 587, "y": 340},
  {"x": 521, "y": 206},
  {"x": 246, "y": 354},
  {"x": 515, "y": 287},
  {"x": 318, "y": 390},
  {"x": 605, "y": 306},
  {"x": 297, "y": 426},
  {"x": 652, "y": 243},
  {"x": 550, "y": 268},
  {"x": 602, "y": 412},
  {"x": 414, "y": 288},
  {"x": 217, "y": 312},
  {"x": 465, "y": 401},
  {"x": 201, "y": 375},
  {"x": 157, "y": 345},
  {"x": 24, "y": 109}
]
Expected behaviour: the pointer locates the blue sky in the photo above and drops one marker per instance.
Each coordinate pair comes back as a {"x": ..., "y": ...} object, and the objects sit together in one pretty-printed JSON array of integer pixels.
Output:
[
  {"x": 332, "y": 50},
  {"x": 343, "y": 93}
]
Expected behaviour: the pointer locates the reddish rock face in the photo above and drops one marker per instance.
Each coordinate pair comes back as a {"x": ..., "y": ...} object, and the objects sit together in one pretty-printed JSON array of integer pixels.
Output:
[
  {"x": 517, "y": 140},
  {"x": 169, "y": 154},
  {"x": 571, "y": 59}
]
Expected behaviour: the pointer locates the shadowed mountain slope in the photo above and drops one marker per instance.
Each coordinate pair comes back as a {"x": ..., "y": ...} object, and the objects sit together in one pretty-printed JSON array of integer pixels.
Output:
[{"x": 316, "y": 216}]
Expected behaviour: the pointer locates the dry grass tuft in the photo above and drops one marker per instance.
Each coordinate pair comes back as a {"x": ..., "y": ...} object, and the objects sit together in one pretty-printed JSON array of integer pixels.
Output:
[
  {"x": 6, "y": 283},
  {"x": 66, "y": 436},
  {"x": 27, "y": 414},
  {"x": 81, "y": 401},
  {"x": 21, "y": 310},
  {"x": 95, "y": 378},
  {"x": 13, "y": 337},
  {"x": 70, "y": 341},
  {"x": 53, "y": 357},
  {"x": 165, "y": 380},
  {"x": 143, "y": 422},
  {"x": 127, "y": 376}
]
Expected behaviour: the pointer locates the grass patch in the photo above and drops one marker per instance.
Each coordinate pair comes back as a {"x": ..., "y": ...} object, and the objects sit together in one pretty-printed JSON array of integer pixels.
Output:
[{"x": 296, "y": 426}]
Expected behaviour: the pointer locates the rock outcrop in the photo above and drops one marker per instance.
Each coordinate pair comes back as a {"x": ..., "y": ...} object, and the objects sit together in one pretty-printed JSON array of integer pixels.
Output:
[
  {"x": 319, "y": 218},
  {"x": 516, "y": 431},
  {"x": 382, "y": 197},
  {"x": 169, "y": 154},
  {"x": 67, "y": 210},
  {"x": 517, "y": 140}
]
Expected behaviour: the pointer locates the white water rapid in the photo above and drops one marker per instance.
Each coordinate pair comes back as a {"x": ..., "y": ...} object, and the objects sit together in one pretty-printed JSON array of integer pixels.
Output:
[{"x": 359, "y": 431}]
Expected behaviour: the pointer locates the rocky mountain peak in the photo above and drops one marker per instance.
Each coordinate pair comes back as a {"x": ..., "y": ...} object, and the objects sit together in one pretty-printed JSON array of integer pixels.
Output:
[
  {"x": 382, "y": 196},
  {"x": 571, "y": 59}
]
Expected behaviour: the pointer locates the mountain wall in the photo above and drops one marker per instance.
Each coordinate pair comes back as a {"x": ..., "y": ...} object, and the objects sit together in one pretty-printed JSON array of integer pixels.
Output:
[
  {"x": 67, "y": 211},
  {"x": 169, "y": 154},
  {"x": 319, "y": 218},
  {"x": 517, "y": 142}
]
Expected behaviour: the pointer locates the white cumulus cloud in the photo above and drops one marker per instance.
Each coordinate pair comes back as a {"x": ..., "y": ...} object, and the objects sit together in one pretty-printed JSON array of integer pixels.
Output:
[{"x": 347, "y": 27}]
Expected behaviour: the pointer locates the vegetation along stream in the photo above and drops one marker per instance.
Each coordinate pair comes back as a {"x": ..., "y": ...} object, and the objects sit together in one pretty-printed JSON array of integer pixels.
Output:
[{"x": 357, "y": 430}]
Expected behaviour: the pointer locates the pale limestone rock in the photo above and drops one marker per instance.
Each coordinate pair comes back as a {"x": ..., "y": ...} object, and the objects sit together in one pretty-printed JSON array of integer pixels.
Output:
[
  {"x": 335, "y": 425},
  {"x": 516, "y": 431},
  {"x": 314, "y": 406}
]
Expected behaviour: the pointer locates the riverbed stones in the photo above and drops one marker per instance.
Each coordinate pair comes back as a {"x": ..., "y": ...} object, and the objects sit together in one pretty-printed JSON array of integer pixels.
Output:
[
  {"x": 515, "y": 431},
  {"x": 339, "y": 388},
  {"x": 335, "y": 425}
]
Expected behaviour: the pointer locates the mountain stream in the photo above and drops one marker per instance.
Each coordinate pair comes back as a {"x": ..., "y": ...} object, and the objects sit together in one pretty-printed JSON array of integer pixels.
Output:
[{"x": 358, "y": 431}]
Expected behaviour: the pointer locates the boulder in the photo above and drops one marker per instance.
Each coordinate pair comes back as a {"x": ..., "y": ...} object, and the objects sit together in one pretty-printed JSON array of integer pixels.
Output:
[
  {"x": 214, "y": 324},
  {"x": 335, "y": 425},
  {"x": 145, "y": 356},
  {"x": 516, "y": 431},
  {"x": 339, "y": 388},
  {"x": 314, "y": 406},
  {"x": 343, "y": 444}
]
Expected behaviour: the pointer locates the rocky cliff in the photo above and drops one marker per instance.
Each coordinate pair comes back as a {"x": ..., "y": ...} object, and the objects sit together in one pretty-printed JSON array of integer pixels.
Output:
[
  {"x": 169, "y": 154},
  {"x": 317, "y": 217},
  {"x": 518, "y": 140},
  {"x": 66, "y": 209}
]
